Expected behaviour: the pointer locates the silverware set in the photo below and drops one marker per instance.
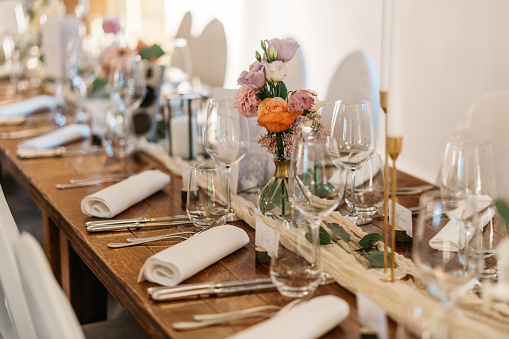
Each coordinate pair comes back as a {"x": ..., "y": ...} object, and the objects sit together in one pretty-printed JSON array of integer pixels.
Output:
[
  {"x": 126, "y": 224},
  {"x": 26, "y": 133},
  {"x": 57, "y": 152}
]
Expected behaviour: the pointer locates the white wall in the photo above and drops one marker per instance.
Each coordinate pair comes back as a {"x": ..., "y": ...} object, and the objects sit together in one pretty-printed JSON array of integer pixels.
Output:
[{"x": 453, "y": 51}]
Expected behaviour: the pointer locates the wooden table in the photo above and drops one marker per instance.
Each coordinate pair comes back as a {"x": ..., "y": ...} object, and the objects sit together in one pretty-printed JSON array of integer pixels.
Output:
[{"x": 86, "y": 267}]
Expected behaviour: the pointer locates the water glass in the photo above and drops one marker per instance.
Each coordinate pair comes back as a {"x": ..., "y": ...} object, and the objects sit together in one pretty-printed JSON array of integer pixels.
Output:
[
  {"x": 369, "y": 189},
  {"x": 295, "y": 268},
  {"x": 206, "y": 195}
]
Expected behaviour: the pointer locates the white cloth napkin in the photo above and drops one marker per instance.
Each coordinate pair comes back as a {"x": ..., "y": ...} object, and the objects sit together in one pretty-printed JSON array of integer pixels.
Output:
[
  {"x": 310, "y": 319},
  {"x": 179, "y": 262},
  {"x": 112, "y": 200},
  {"x": 447, "y": 239},
  {"x": 28, "y": 106},
  {"x": 58, "y": 137}
]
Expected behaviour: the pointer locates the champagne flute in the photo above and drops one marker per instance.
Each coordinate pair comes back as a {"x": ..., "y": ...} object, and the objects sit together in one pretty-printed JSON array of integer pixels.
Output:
[
  {"x": 468, "y": 180},
  {"x": 226, "y": 139},
  {"x": 127, "y": 88},
  {"x": 297, "y": 272},
  {"x": 353, "y": 129}
]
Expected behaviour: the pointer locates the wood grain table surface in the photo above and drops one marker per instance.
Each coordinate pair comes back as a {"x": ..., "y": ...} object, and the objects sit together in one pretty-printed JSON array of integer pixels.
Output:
[{"x": 86, "y": 267}]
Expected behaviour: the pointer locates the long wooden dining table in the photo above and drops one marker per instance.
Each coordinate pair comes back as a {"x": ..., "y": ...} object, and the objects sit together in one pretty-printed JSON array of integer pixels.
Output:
[{"x": 87, "y": 269}]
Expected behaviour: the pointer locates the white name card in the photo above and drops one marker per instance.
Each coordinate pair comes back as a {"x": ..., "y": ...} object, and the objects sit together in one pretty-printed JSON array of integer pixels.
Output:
[
  {"x": 403, "y": 217},
  {"x": 372, "y": 315},
  {"x": 267, "y": 237}
]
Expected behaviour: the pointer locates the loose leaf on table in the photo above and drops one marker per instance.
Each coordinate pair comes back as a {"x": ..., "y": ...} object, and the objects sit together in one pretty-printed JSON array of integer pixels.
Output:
[
  {"x": 376, "y": 258},
  {"x": 339, "y": 231},
  {"x": 323, "y": 236},
  {"x": 368, "y": 241}
]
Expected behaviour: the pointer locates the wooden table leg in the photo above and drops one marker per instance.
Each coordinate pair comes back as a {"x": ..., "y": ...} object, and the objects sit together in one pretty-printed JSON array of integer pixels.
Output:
[
  {"x": 51, "y": 236},
  {"x": 87, "y": 294}
]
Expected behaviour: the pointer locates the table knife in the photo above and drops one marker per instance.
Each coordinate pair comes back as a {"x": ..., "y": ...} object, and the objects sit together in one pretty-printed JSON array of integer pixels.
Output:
[
  {"x": 413, "y": 190},
  {"x": 212, "y": 288},
  {"x": 32, "y": 132},
  {"x": 134, "y": 220},
  {"x": 121, "y": 227},
  {"x": 57, "y": 152}
]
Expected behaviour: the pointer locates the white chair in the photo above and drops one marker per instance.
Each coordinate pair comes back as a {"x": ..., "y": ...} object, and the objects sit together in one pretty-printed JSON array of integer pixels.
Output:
[
  {"x": 208, "y": 51},
  {"x": 355, "y": 78},
  {"x": 488, "y": 118},
  {"x": 15, "y": 319}
]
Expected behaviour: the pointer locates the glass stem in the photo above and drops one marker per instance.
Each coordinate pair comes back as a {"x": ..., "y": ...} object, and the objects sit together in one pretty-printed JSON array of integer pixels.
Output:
[
  {"x": 228, "y": 169},
  {"x": 353, "y": 213}
]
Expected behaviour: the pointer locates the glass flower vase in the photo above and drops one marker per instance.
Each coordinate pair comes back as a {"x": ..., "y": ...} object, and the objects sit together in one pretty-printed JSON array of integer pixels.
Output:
[{"x": 273, "y": 199}]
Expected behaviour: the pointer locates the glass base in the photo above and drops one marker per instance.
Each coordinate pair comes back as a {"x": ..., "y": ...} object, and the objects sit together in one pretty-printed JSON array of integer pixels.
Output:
[
  {"x": 232, "y": 216},
  {"x": 386, "y": 276}
]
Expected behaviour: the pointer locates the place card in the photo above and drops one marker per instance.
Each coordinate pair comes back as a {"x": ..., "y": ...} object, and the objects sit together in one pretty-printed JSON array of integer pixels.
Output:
[
  {"x": 403, "y": 217},
  {"x": 266, "y": 237},
  {"x": 372, "y": 315}
]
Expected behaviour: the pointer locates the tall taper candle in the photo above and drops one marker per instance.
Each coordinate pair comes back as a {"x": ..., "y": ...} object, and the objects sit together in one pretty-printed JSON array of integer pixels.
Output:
[
  {"x": 395, "y": 116},
  {"x": 385, "y": 67}
]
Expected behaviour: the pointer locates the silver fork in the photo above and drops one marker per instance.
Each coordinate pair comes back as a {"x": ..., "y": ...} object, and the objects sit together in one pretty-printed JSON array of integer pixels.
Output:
[
  {"x": 139, "y": 241},
  {"x": 248, "y": 313}
]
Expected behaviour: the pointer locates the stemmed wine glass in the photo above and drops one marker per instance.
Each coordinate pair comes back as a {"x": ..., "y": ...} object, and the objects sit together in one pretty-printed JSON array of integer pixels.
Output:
[
  {"x": 439, "y": 265},
  {"x": 313, "y": 191},
  {"x": 128, "y": 89},
  {"x": 468, "y": 188},
  {"x": 353, "y": 129},
  {"x": 226, "y": 138}
]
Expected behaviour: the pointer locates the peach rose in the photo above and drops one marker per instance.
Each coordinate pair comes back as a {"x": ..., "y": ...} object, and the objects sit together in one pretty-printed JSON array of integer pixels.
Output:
[{"x": 274, "y": 116}]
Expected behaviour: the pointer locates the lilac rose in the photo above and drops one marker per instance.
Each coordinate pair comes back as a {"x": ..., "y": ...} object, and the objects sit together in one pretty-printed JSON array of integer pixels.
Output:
[
  {"x": 255, "y": 77},
  {"x": 301, "y": 100},
  {"x": 286, "y": 48}
]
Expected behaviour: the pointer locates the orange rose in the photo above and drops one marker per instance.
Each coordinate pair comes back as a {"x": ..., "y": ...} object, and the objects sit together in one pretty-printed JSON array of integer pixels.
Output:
[{"x": 274, "y": 116}]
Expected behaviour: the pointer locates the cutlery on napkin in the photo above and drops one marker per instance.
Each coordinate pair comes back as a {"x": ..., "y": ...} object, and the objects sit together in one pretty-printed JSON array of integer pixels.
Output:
[
  {"x": 28, "y": 106},
  {"x": 58, "y": 137},
  {"x": 114, "y": 199},
  {"x": 447, "y": 239},
  {"x": 310, "y": 319},
  {"x": 181, "y": 261}
]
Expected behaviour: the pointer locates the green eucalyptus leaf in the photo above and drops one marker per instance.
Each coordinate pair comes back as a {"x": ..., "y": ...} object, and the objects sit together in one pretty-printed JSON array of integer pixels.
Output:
[
  {"x": 376, "y": 258},
  {"x": 154, "y": 51},
  {"x": 339, "y": 232},
  {"x": 98, "y": 84},
  {"x": 369, "y": 240},
  {"x": 323, "y": 236},
  {"x": 503, "y": 210}
]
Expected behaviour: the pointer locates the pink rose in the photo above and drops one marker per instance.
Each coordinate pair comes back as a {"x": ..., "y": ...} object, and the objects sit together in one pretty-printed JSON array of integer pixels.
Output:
[
  {"x": 246, "y": 101},
  {"x": 111, "y": 25},
  {"x": 286, "y": 48},
  {"x": 255, "y": 77},
  {"x": 301, "y": 100}
]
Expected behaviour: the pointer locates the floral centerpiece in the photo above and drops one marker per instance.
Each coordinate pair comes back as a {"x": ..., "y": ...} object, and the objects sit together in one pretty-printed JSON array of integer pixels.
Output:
[{"x": 280, "y": 111}]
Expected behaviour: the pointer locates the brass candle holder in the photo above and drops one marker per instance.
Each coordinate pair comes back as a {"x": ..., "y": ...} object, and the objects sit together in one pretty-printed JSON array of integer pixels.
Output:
[{"x": 392, "y": 149}]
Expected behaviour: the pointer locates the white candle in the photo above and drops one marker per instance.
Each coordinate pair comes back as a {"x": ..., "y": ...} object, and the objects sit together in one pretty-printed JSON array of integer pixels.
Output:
[
  {"x": 386, "y": 45},
  {"x": 179, "y": 142},
  {"x": 395, "y": 112}
]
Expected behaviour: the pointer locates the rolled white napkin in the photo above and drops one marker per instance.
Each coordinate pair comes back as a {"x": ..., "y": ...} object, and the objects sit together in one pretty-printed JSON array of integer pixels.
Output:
[
  {"x": 179, "y": 262},
  {"x": 447, "y": 239},
  {"x": 112, "y": 200},
  {"x": 310, "y": 319},
  {"x": 58, "y": 137},
  {"x": 28, "y": 106}
]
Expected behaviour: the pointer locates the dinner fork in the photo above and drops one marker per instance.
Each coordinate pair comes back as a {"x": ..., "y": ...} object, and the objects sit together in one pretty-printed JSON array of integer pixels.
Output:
[
  {"x": 209, "y": 320},
  {"x": 181, "y": 235}
]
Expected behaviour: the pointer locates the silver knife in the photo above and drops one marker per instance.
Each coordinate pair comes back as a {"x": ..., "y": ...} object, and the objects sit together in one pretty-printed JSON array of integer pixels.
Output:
[
  {"x": 413, "y": 190},
  {"x": 32, "y": 132},
  {"x": 212, "y": 288},
  {"x": 134, "y": 220},
  {"x": 57, "y": 152},
  {"x": 121, "y": 227}
]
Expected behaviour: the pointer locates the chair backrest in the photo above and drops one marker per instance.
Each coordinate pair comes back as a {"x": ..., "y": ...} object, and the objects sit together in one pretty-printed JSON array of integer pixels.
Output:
[
  {"x": 52, "y": 313},
  {"x": 488, "y": 118},
  {"x": 355, "y": 78},
  {"x": 208, "y": 51},
  {"x": 296, "y": 72},
  {"x": 15, "y": 319}
]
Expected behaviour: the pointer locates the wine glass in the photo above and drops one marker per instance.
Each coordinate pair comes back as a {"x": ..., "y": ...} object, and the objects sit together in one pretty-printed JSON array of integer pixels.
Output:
[
  {"x": 81, "y": 64},
  {"x": 468, "y": 179},
  {"x": 226, "y": 138},
  {"x": 297, "y": 271},
  {"x": 127, "y": 88},
  {"x": 353, "y": 129},
  {"x": 438, "y": 263}
]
